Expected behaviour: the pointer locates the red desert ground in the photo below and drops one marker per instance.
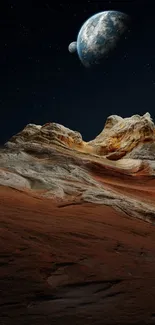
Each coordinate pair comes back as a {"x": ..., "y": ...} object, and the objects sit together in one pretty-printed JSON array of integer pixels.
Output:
[{"x": 77, "y": 225}]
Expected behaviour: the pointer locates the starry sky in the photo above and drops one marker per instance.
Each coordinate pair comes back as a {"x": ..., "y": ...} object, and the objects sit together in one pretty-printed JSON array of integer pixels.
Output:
[{"x": 42, "y": 82}]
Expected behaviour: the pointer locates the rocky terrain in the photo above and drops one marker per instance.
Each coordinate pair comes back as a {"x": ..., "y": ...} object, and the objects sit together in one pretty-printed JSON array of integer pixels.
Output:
[
  {"x": 77, "y": 225},
  {"x": 56, "y": 163}
]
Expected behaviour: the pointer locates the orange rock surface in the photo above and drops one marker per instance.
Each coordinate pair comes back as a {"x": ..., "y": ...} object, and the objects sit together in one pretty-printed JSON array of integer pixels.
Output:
[
  {"x": 77, "y": 236},
  {"x": 78, "y": 263}
]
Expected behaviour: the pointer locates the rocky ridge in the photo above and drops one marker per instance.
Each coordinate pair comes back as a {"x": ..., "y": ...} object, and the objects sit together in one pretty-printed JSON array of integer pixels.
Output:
[
  {"x": 54, "y": 161},
  {"x": 118, "y": 138}
]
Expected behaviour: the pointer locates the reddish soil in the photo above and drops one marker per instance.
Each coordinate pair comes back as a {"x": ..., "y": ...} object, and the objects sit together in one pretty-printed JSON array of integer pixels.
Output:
[{"x": 78, "y": 264}]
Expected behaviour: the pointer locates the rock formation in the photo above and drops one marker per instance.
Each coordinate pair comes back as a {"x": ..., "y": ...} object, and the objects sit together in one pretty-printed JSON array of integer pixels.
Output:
[
  {"x": 77, "y": 225},
  {"x": 118, "y": 138},
  {"x": 55, "y": 162}
]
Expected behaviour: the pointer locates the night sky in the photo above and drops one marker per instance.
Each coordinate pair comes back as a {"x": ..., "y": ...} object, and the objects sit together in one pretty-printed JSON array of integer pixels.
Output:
[{"x": 42, "y": 82}]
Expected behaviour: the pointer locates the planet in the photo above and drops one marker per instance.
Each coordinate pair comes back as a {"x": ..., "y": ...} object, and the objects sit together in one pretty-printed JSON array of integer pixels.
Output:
[
  {"x": 72, "y": 47},
  {"x": 99, "y": 35}
]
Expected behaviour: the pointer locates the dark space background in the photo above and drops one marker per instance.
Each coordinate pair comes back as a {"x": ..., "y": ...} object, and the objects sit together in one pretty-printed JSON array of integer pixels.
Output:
[{"x": 40, "y": 81}]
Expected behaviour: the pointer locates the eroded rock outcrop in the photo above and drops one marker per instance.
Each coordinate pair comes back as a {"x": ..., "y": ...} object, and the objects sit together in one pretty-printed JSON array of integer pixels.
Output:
[
  {"x": 55, "y": 162},
  {"x": 48, "y": 134},
  {"x": 72, "y": 249},
  {"x": 118, "y": 138}
]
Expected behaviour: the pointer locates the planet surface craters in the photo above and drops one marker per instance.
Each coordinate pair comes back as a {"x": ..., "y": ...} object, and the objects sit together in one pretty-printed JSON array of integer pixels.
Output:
[
  {"x": 72, "y": 47},
  {"x": 99, "y": 35}
]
